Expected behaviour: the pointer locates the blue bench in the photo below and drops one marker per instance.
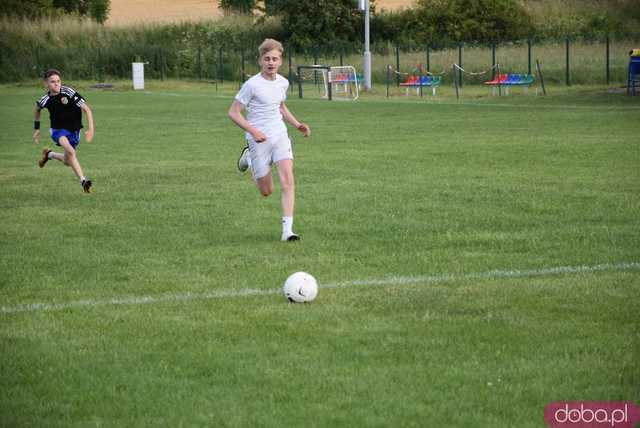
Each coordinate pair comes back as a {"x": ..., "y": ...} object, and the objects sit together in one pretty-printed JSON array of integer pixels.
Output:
[
  {"x": 511, "y": 79},
  {"x": 633, "y": 79},
  {"x": 422, "y": 81}
]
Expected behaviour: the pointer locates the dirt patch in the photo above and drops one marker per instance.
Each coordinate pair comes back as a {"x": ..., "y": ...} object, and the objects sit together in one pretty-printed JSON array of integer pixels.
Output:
[
  {"x": 149, "y": 11},
  {"x": 394, "y": 4}
]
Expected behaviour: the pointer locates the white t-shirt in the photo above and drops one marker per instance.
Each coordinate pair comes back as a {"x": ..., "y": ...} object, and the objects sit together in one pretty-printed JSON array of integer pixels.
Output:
[{"x": 262, "y": 99}]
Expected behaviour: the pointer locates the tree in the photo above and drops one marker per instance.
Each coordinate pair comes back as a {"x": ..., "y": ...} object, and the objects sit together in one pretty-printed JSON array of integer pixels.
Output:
[
  {"x": 99, "y": 10},
  {"x": 96, "y": 9},
  {"x": 243, "y": 7},
  {"x": 71, "y": 6},
  {"x": 26, "y": 9},
  {"x": 318, "y": 24},
  {"x": 470, "y": 20}
]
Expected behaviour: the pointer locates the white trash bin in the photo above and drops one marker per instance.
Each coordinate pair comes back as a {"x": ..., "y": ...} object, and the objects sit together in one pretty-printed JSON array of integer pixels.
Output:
[{"x": 138, "y": 75}]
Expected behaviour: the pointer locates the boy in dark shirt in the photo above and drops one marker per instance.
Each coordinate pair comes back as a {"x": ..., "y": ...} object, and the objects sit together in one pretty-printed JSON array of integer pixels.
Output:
[{"x": 65, "y": 107}]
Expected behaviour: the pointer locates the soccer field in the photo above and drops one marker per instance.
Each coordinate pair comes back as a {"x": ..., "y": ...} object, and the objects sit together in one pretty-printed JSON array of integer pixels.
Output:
[{"x": 477, "y": 260}]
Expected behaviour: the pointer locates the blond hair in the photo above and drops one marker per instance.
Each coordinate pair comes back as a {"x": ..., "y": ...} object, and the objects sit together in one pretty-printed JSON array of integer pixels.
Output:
[{"x": 269, "y": 45}]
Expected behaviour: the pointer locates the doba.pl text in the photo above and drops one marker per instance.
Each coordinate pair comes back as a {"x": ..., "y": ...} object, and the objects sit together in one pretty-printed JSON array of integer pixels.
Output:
[
  {"x": 589, "y": 416},
  {"x": 592, "y": 414}
]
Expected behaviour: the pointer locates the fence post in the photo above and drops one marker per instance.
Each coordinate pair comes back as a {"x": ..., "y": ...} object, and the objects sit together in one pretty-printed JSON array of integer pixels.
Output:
[
  {"x": 199, "y": 62},
  {"x": 242, "y": 66},
  {"x": 608, "y": 73},
  {"x": 290, "y": 58},
  {"x": 460, "y": 64},
  {"x": 539, "y": 68},
  {"x": 93, "y": 70},
  {"x": 428, "y": 54},
  {"x": 388, "y": 78},
  {"x": 493, "y": 61},
  {"x": 95, "y": 67},
  {"x": 341, "y": 64},
  {"x": 212, "y": 70},
  {"x": 567, "y": 73},
  {"x": 163, "y": 65},
  {"x": 398, "y": 65},
  {"x": 529, "y": 56},
  {"x": 455, "y": 81},
  {"x": 100, "y": 66},
  {"x": 220, "y": 66},
  {"x": 39, "y": 71}
]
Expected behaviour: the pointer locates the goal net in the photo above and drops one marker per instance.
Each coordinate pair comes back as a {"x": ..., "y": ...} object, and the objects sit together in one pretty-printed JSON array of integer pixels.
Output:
[
  {"x": 313, "y": 81},
  {"x": 344, "y": 83}
]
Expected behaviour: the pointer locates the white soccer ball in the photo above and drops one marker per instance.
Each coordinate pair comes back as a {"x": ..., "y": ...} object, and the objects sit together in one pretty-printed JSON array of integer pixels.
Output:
[{"x": 300, "y": 287}]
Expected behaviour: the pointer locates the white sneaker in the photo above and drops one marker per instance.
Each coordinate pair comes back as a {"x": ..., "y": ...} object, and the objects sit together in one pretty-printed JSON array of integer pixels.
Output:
[
  {"x": 243, "y": 160},
  {"x": 289, "y": 236}
]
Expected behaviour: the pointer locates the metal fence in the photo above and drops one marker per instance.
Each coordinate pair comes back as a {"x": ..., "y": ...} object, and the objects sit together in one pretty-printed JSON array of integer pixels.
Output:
[{"x": 567, "y": 61}]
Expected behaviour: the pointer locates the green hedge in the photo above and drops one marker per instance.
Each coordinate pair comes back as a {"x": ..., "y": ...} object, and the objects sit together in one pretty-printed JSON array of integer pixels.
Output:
[{"x": 84, "y": 49}]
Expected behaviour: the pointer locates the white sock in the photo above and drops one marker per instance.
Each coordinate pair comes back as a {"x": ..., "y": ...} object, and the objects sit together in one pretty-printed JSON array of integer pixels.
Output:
[
  {"x": 51, "y": 155},
  {"x": 83, "y": 178},
  {"x": 287, "y": 225}
]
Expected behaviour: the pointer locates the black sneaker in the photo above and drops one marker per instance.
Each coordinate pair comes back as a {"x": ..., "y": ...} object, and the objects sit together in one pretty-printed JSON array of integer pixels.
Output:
[
  {"x": 243, "y": 160},
  {"x": 45, "y": 158},
  {"x": 290, "y": 237},
  {"x": 86, "y": 186}
]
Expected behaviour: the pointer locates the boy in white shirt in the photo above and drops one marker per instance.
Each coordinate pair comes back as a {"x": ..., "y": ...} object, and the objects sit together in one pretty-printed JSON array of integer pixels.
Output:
[{"x": 268, "y": 142}]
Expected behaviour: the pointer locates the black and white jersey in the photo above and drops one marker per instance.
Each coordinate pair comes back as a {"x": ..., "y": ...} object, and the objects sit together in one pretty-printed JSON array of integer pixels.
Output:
[{"x": 64, "y": 108}]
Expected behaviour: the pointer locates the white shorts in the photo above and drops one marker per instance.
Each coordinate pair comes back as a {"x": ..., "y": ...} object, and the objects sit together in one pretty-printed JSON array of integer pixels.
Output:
[{"x": 265, "y": 154}]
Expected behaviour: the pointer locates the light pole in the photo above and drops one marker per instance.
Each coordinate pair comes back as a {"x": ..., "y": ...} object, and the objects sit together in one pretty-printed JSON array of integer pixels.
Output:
[{"x": 364, "y": 5}]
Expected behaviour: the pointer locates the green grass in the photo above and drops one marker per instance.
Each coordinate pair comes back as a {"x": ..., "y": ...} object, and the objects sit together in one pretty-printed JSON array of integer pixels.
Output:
[{"x": 436, "y": 191}]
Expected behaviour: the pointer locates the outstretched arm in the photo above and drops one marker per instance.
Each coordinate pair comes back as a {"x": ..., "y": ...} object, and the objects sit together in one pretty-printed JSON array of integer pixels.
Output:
[
  {"x": 289, "y": 117},
  {"x": 235, "y": 114},
  {"x": 89, "y": 132},
  {"x": 36, "y": 133}
]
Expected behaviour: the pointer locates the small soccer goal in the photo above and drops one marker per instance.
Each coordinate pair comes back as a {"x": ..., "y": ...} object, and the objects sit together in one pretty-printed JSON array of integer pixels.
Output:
[
  {"x": 344, "y": 84},
  {"x": 313, "y": 81},
  {"x": 332, "y": 83}
]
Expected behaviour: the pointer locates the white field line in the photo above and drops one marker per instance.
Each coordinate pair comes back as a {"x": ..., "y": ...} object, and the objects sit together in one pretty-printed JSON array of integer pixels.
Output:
[{"x": 389, "y": 281}]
